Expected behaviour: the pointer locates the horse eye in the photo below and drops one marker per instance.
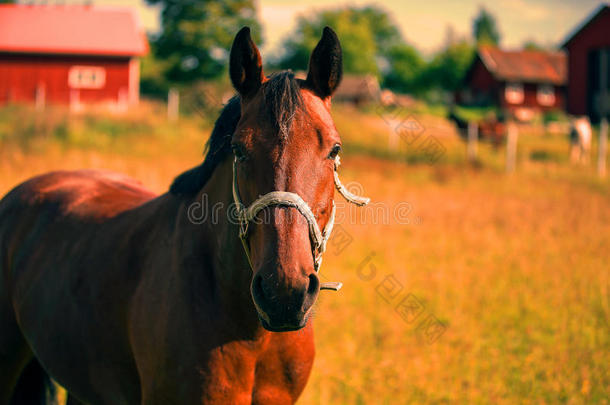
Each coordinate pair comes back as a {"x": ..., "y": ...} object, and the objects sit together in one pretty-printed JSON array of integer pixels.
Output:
[
  {"x": 334, "y": 151},
  {"x": 238, "y": 151}
]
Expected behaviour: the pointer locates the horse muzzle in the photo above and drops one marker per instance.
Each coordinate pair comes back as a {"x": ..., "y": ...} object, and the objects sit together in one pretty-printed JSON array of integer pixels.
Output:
[{"x": 283, "y": 308}]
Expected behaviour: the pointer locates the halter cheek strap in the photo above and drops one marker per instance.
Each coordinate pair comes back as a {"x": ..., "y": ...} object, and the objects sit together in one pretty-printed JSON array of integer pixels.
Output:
[{"x": 293, "y": 200}]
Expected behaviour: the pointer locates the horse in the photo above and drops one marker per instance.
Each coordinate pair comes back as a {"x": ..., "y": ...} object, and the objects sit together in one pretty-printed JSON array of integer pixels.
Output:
[
  {"x": 124, "y": 297},
  {"x": 489, "y": 129}
]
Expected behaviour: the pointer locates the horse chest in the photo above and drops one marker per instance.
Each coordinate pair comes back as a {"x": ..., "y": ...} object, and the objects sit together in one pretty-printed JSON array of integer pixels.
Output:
[{"x": 275, "y": 372}]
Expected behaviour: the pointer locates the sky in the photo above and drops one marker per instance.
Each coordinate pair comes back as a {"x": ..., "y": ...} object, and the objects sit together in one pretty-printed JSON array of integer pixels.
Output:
[{"x": 424, "y": 24}]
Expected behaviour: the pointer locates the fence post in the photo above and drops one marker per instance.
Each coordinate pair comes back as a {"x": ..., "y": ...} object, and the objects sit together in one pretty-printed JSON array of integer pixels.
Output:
[
  {"x": 75, "y": 105},
  {"x": 511, "y": 146},
  {"x": 40, "y": 96},
  {"x": 603, "y": 111},
  {"x": 393, "y": 134},
  {"x": 603, "y": 146},
  {"x": 473, "y": 139},
  {"x": 173, "y": 104}
]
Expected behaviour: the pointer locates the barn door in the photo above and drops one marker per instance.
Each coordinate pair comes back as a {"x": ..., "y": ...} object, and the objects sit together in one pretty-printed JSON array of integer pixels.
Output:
[{"x": 598, "y": 83}]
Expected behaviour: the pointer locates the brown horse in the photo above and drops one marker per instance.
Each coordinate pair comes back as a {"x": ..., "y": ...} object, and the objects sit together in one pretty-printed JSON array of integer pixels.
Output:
[{"x": 123, "y": 298}]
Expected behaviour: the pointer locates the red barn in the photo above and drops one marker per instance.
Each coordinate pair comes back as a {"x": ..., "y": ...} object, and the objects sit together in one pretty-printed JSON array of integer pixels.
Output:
[
  {"x": 589, "y": 64},
  {"x": 515, "y": 80},
  {"x": 72, "y": 55}
]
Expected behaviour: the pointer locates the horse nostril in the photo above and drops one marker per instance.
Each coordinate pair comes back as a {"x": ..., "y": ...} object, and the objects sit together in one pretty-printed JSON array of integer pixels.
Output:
[{"x": 314, "y": 284}]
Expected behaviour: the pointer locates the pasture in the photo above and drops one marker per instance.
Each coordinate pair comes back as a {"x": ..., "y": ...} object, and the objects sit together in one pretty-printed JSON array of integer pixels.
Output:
[{"x": 462, "y": 284}]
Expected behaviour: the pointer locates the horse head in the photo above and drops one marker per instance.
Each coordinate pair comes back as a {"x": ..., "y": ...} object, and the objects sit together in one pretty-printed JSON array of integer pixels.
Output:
[{"x": 285, "y": 146}]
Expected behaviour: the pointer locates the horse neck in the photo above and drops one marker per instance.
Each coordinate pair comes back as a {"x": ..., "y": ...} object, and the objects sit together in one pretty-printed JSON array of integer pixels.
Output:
[{"x": 226, "y": 261}]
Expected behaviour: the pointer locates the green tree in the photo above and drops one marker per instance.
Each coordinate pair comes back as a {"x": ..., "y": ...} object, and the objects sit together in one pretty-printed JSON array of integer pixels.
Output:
[
  {"x": 196, "y": 36},
  {"x": 531, "y": 45},
  {"x": 153, "y": 82},
  {"x": 367, "y": 35},
  {"x": 485, "y": 30},
  {"x": 385, "y": 31},
  {"x": 405, "y": 66},
  {"x": 447, "y": 68}
]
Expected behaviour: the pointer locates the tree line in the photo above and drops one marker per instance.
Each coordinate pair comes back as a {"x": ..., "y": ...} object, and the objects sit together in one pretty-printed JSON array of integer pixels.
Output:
[{"x": 195, "y": 37}]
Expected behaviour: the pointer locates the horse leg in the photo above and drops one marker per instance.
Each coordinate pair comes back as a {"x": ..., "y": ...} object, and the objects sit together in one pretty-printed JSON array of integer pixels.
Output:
[
  {"x": 22, "y": 378},
  {"x": 12, "y": 366},
  {"x": 73, "y": 401},
  {"x": 14, "y": 351},
  {"x": 34, "y": 387}
]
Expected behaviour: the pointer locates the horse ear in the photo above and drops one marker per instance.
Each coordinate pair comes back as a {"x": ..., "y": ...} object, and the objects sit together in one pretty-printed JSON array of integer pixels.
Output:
[
  {"x": 326, "y": 64},
  {"x": 245, "y": 65}
]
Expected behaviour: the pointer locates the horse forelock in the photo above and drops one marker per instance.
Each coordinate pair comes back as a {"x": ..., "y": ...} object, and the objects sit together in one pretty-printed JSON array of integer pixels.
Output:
[{"x": 283, "y": 99}]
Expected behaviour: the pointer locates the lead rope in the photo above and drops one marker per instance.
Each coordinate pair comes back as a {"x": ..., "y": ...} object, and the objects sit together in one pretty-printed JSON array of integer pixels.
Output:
[{"x": 287, "y": 199}]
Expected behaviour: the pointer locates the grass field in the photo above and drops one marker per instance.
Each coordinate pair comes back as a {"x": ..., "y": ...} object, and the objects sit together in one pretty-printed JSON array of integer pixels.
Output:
[{"x": 478, "y": 288}]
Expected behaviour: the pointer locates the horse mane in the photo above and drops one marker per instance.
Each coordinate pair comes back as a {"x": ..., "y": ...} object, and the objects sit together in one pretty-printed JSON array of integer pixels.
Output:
[{"x": 282, "y": 97}]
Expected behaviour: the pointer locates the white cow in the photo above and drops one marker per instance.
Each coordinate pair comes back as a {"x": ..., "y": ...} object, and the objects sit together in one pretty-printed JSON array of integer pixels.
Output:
[{"x": 580, "y": 139}]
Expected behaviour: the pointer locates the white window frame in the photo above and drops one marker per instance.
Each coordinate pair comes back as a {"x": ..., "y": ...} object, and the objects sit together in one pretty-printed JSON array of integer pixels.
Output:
[
  {"x": 86, "y": 77},
  {"x": 545, "y": 94},
  {"x": 513, "y": 93}
]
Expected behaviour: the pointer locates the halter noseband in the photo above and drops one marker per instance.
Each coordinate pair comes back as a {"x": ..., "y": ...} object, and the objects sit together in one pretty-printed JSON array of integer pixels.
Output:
[{"x": 293, "y": 200}]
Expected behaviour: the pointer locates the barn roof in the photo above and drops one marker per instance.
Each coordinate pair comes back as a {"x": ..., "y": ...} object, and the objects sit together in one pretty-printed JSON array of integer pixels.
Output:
[
  {"x": 525, "y": 66},
  {"x": 596, "y": 14},
  {"x": 72, "y": 30},
  {"x": 353, "y": 86},
  {"x": 365, "y": 87}
]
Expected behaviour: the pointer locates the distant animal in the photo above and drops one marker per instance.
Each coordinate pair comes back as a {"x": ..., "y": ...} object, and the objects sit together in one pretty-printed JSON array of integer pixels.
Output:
[
  {"x": 580, "y": 139},
  {"x": 490, "y": 129},
  {"x": 124, "y": 297}
]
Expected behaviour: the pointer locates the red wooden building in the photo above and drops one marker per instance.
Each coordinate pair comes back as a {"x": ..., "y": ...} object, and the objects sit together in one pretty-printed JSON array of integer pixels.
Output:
[
  {"x": 589, "y": 64},
  {"x": 72, "y": 55},
  {"x": 515, "y": 80}
]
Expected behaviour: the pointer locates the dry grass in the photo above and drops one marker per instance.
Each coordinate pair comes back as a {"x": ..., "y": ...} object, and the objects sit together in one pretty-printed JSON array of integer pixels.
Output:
[
  {"x": 143, "y": 145},
  {"x": 516, "y": 267}
]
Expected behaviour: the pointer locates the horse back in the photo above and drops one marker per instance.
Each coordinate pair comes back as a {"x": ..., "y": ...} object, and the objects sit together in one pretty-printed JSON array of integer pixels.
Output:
[
  {"x": 86, "y": 194},
  {"x": 63, "y": 219}
]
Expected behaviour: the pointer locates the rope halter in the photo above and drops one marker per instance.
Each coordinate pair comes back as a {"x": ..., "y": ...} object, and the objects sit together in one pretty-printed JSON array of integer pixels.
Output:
[{"x": 286, "y": 199}]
